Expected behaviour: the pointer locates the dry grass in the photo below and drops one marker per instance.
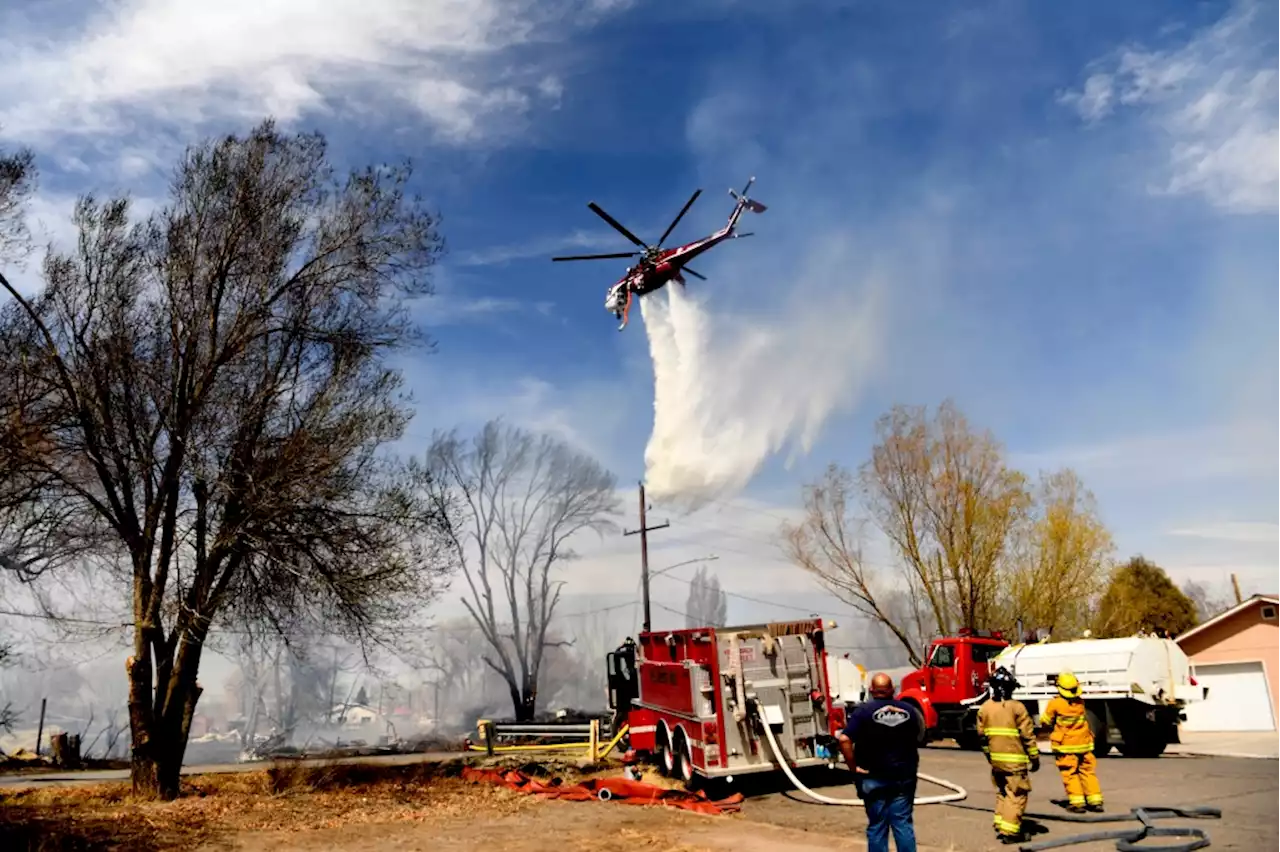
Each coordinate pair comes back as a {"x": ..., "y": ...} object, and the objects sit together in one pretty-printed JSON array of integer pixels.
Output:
[{"x": 286, "y": 796}]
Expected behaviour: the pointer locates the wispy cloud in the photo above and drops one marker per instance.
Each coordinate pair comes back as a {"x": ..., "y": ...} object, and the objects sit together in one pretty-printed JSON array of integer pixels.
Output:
[
  {"x": 449, "y": 309},
  {"x": 1236, "y": 531},
  {"x": 191, "y": 63},
  {"x": 1213, "y": 102},
  {"x": 579, "y": 241},
  {"x": 1236, "y": 449}
]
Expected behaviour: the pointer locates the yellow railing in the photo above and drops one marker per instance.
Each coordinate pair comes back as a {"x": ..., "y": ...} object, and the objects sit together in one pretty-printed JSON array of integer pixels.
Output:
[{"x": 591, "y": 745}]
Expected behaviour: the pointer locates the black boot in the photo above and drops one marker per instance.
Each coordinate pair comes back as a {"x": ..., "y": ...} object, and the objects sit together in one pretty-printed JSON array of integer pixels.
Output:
[
  {"x": 1097, "y": 809},
  {"x": 1011, "y": 839}
]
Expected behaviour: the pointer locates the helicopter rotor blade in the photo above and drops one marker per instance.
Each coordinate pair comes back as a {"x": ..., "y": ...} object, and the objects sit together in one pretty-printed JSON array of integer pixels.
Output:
[
  {"x": 694, "y": 274},
  {"x": 679, "y": 216},
  {"x": 598, "y": 256},
  {"x": 617, "y": 226}
]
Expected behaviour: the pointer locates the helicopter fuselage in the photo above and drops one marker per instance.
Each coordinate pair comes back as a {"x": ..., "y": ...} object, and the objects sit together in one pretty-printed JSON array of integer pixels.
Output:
[
  {"x": 646, "y": 277},
  {"x": 657, "y": 266}
]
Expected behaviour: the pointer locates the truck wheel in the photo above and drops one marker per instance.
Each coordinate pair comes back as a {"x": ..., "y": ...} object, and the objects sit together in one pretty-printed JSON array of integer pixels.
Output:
[
  {"x": 969, "y": 741},
  {"x": 666, "y": 757},
  {"x": 684, "y": 763},
  {"x": 1142, "y": 740},
  {"x": 1101, "y": 745}
]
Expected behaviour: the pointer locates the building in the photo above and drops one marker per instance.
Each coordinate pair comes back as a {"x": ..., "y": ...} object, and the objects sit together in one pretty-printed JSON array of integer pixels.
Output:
[
  {"x": 353, "y": 715},
  {"x": 1235, "y": 654}
]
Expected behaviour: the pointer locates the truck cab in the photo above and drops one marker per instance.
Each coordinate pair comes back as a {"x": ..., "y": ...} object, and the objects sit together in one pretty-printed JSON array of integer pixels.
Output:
[{"x": 955, "y": 671}]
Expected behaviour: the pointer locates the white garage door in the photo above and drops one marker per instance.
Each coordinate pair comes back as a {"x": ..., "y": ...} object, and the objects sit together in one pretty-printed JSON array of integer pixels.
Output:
[{"x": 1238, "y": 699}]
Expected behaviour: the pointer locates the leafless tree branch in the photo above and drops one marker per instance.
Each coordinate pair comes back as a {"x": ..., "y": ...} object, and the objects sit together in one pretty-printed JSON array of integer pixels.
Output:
[
  {"x": 519, "y": 499},
  {"x": 207, "y": 394}
]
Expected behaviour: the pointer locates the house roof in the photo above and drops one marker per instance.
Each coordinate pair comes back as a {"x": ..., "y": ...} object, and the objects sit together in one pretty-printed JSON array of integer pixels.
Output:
[{"x": 1238, "y": 608}]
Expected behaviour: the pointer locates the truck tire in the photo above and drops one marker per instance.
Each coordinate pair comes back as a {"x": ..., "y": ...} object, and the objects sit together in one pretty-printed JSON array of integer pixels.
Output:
[
  {"x": 666, "y": 756},
  {"x": 684, "y": 763},
  {"x": 969, "y": 741},
  {"x": 1143, "y": 740},
  {"x": 1098, "y": 727}
]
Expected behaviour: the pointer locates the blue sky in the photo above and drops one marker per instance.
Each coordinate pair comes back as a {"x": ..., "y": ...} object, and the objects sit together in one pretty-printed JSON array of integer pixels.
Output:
[{"x": 1065, "y": 222}]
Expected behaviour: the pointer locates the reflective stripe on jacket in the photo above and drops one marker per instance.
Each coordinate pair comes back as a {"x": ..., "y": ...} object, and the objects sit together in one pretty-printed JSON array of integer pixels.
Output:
[
  {"x": 1071, "y": 734},
  {"x": 1007, "y": 734}
]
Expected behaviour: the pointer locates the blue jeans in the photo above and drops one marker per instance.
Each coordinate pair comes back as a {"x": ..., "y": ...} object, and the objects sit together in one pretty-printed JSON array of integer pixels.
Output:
[{"x": 889, "y": 806}]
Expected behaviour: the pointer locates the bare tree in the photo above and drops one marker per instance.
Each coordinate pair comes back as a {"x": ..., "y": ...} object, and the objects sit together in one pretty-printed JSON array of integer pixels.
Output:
[
  {"x": 17, "y": 181},
  {"x": 456, "y": 659},
  {"x": 8, "y": 716},
  {"x": 114, "y": 726},
  {"x": 18, "y": 176},
  {"x": 707, "y": 604},
  {"x": 1207, "y": 603},
  {"x": 594, "y": 632},
  {"x": 252, "y": 656},
  {"x": 519, "y": 498},
  {"x": 208, "y": 394},
  {"x": 974, "y": 546},
  {"x": 828, "y": 544}
]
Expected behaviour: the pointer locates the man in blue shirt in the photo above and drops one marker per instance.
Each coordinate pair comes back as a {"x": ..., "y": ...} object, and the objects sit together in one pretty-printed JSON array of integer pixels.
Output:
[{"x": 881, "y": 744}]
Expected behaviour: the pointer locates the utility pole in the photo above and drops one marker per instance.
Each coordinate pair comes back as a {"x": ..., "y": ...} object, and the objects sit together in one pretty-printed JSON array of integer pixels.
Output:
[
  {"x": 644, "y": 554},
  {"x": 1235, "y": 585}
]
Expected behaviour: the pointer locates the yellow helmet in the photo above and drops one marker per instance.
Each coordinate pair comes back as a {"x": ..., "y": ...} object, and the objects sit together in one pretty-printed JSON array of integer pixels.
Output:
[{"x": 1068, "y": 685}]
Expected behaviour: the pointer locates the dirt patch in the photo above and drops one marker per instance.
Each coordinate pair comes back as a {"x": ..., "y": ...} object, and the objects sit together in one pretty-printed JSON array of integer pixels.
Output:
[
  {"x": 298, "y": 807},
  {"x": 214, "y": 809},
  {"x": 552, "y": 827}
]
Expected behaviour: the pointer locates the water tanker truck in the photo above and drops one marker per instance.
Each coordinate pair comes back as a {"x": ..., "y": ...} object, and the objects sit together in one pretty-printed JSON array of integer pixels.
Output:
[{"x": 1135, "y": 688}]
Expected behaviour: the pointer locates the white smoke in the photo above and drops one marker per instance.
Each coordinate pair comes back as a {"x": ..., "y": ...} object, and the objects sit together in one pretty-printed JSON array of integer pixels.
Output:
[{"x": 729, "y": 392}]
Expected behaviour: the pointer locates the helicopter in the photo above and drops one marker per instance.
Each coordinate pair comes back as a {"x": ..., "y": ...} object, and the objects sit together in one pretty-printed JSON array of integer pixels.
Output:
[{"x": 658, "y": 266}]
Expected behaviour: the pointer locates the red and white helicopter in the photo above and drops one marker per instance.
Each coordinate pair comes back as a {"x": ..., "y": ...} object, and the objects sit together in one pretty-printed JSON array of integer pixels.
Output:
[{"x": 657, "y": 265}]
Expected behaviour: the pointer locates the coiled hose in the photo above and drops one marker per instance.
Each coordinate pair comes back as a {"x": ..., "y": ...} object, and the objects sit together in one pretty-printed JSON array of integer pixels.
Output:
[
  {"x": 1126, "y": 838},
  {"x": 958, "y": 794}
]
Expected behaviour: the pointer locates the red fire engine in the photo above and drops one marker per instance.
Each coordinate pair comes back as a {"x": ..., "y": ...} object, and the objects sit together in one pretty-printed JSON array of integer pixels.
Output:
[
  {"x": 695, "y": 700},
  {"x": 955, "y": 672}
]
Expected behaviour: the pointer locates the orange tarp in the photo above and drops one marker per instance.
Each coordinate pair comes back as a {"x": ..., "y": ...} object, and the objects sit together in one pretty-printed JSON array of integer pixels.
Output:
[{"x": 619, "y": 789}]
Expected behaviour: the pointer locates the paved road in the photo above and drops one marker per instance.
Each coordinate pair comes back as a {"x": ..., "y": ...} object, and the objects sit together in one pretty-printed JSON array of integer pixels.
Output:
[
  {"x": 1244, "y": 789},
  {"x": 99, "y": 776}
]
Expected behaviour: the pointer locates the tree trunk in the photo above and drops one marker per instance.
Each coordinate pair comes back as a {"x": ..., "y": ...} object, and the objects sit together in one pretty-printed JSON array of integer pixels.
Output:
[
  {"x": 66, "y": 750},
  {"x": 160, "y": 735},
  {"x": 144, "y": 772},
  {"x": 529, "y": 698},
  {"x": 517, "y": 702}
]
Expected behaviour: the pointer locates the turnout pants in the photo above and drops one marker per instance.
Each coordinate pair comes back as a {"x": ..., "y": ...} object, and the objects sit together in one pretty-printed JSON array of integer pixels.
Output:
[
  {"x": 1080, "y": 778},
  {"x": 1012, "y": 789}
]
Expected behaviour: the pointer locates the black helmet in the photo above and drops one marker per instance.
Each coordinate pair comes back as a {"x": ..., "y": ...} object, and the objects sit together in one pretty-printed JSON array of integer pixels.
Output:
[{"x": 1002, "y": 684}]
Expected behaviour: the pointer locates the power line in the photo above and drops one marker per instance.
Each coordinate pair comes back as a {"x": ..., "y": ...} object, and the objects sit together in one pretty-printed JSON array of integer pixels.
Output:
[{"x": 792, "y": 607}]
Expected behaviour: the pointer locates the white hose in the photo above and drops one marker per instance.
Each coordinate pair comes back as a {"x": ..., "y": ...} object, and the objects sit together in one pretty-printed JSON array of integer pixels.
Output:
[{"x": 960, "y": 792}]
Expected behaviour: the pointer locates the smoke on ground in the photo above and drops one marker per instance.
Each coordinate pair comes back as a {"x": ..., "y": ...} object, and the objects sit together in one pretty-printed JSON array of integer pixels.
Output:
[{"x": 730, "y": 392}]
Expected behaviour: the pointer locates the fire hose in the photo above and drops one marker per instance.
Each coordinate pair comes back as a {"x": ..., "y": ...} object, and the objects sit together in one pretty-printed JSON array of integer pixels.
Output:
[
  {"x": 1126, "y": 838},
  {"x": 958, "y": 794}
]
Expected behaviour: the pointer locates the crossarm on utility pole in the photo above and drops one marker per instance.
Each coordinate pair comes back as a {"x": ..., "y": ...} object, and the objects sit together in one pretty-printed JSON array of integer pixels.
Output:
[{"x": 644, "y": 554}]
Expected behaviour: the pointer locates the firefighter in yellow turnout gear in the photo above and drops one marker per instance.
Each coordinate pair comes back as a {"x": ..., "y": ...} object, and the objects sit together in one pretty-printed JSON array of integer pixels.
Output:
[
  {"x": 1009, "y": 742},
  {"x": 1072, "y": 745}
]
